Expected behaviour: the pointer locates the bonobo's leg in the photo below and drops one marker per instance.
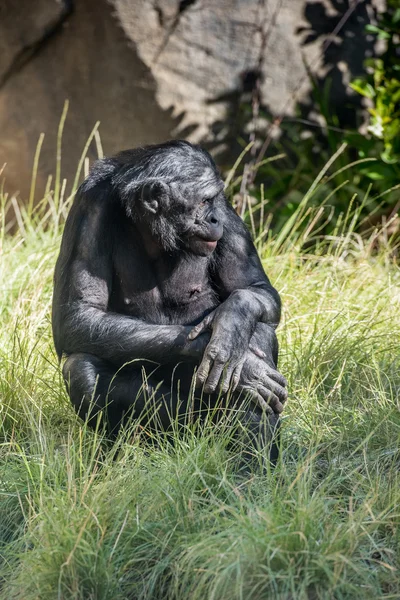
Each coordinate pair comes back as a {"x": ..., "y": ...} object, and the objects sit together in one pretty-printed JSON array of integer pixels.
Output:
[
  {"x": 257, "y": 431},
  {"x": 254, "y": 432},
  {"x": 95, "y": 385}
]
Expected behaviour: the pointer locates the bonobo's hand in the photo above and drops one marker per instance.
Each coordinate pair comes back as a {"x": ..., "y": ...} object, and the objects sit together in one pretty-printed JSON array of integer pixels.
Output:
[
  {"x": 194, "y": 349},
  {"x": 226, "y": 351},
  {"x": 264, "y": 383}
]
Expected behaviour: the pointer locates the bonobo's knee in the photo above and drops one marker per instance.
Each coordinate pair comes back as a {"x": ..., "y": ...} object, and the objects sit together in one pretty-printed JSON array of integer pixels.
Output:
[
  {"x": 95, "y": 386},
  {"x": 85, "y": 376},
  {"x": 80, "y": 373}
]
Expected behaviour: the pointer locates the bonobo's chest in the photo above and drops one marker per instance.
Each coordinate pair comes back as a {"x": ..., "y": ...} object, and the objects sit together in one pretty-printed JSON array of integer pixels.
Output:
[{"x": 167, "y": 290}]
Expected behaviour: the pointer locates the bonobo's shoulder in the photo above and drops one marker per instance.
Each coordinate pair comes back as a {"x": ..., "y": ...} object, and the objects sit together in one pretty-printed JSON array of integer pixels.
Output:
[
  {"x": 100, "y": 174},
  {"x": 234, "y": 224}
]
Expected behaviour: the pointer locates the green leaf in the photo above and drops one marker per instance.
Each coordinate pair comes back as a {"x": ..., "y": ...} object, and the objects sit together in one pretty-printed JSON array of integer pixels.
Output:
[
  {"x": 388, "y": 157},
  {"x": 374, "y": 175},
  {"x": 378, "y": 171},
  {"x": 370, "y": 62},
  {"x": 396, "y": 97},
  {"x": 363, "y": 87},
  {"x": 383, "y": 35},
  {"x": 396, "y": 16}
]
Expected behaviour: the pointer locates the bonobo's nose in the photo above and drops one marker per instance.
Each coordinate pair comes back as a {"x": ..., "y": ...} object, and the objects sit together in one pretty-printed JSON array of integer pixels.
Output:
[
  {"x": 215, "y": 230},
  {"x": 212, "y": 218}
]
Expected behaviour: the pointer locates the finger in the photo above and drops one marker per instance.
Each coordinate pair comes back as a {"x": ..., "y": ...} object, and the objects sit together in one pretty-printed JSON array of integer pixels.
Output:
[
  {"x": 257, "y": 399},
  {"x": 273, "y": 374},
  {"x": 271, "y": 399},
  {"x": 269, "y": 385},
  {"x": 214, "y": 377},
  {"x": 203, "y": 370},
  {"x": 257, "y": 351},
  {"x": 280, "y": 379},
  {"x": 277, "y": 389},
  {"x": 232, "y": 377},
  {"x": 227, "y": 378},
  {"x": 236, "y": 376},
  {"x": 202, "y": 326}
]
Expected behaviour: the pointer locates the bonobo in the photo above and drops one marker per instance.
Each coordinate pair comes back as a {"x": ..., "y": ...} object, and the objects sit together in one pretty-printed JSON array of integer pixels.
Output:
[{"x": 157, "y": 271}]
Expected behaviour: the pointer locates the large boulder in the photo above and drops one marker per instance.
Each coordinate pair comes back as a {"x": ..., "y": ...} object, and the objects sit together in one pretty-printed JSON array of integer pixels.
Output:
[
  {"x": 75, "y": 51},
  {"x": 202, "y": 53},
  {"x": 149, "y": 70}
]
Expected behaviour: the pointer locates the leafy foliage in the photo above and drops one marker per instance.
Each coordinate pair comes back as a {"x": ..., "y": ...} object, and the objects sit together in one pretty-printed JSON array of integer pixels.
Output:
[
  {"x": 366, "y": 173},
  {"x": 382, "y": 85}
]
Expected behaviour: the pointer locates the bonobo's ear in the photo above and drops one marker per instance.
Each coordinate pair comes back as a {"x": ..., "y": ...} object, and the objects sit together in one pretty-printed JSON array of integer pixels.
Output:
[{"x": 154, "y": 197}]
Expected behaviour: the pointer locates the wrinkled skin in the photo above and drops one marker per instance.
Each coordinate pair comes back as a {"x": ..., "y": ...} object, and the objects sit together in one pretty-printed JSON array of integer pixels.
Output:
[
  {"x": 156, "y": 266},
  {"x": 227, "y": 363}
]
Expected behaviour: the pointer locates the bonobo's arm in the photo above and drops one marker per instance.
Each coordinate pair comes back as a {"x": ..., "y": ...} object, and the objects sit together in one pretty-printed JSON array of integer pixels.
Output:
[
  {"x": 82, "y": 286},
  {"x": 247, "y": 298}
]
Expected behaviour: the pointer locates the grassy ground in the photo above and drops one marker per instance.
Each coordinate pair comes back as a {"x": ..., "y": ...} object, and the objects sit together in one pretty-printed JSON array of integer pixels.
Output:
[{"x": 79, "y": 520}]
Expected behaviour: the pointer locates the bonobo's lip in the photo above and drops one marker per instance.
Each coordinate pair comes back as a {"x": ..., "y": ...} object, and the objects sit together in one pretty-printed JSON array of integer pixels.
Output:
[{"x": 209, "y": 244}]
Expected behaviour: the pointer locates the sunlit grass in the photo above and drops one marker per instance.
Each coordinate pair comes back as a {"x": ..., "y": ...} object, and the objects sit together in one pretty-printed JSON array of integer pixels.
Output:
[{"x": 82, "y": 520}]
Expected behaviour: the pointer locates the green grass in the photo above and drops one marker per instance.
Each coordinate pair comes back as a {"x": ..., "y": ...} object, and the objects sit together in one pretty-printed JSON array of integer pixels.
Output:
[{"x": 82, "y": 520}]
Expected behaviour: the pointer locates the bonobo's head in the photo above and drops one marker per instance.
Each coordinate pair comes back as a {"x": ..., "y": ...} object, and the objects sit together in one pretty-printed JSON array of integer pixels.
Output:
[{"x": 174, "y": 193}]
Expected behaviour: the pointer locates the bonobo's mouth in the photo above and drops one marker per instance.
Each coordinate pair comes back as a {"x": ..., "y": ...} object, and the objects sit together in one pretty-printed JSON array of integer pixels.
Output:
[
  {"x": 203, "y": 246},
  {"x": 208, "y": 245}
]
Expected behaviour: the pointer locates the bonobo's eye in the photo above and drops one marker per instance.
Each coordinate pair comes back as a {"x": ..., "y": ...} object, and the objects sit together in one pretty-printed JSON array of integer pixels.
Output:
[
  {"x": 207, "y": 202},
  {"x": 202, "y": 207}
]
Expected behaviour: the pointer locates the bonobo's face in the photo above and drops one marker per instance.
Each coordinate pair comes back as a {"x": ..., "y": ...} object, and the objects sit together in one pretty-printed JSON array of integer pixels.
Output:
[
  {"x": 199, "y": 214},
  {"x": 176, "y": 196}
]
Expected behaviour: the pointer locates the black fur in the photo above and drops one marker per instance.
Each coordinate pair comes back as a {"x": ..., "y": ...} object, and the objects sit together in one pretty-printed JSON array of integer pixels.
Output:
[{"x": 151, "y": 247}]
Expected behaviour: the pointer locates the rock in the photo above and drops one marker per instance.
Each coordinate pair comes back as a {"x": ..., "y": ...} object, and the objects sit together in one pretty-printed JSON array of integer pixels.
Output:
[
  {"x": 88, "y": 61},
  {"x": 149, "y": 70},
  {"x": 201, "y": 53},
  {"x": 20, "y": 37}
]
